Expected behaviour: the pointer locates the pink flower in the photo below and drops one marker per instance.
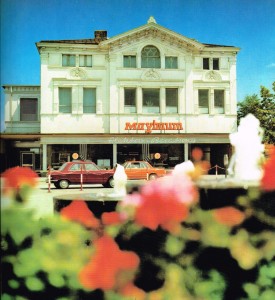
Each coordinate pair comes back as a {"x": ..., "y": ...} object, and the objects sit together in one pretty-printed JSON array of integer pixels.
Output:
[{"x": 164, "y": 202}]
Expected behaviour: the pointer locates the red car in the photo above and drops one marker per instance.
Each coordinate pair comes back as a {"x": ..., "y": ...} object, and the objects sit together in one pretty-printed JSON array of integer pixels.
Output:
[
  {"x": 71, "y": 173},
  {"x": 142, "y": 170}
]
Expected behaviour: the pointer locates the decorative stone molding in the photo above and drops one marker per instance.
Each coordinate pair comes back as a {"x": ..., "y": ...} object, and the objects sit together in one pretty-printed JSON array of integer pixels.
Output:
[
  {"x": 77, "y": 73},
  {"x": 212, "y": 76},
  {"x": 150, "y": 75}
]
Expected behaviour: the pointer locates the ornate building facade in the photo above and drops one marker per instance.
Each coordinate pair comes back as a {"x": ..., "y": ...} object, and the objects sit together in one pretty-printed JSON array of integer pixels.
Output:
[{"x": 144, "y": 92}]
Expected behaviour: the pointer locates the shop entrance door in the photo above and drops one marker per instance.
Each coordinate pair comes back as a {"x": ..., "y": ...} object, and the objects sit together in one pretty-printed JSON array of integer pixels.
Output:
[{"x": 27, "y": 159}]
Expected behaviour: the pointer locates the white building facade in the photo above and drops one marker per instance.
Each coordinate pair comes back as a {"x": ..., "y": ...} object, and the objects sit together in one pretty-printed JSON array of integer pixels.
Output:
[{"x": 146, "y": 91}]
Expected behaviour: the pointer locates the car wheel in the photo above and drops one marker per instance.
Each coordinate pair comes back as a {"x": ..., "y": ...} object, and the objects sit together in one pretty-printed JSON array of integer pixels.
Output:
[
  {"x": 56, "y": 185},
  {"x": 152, "y": 176},
  {"x": 63, "y": 184},
  {"x": 111, "y": 182}
]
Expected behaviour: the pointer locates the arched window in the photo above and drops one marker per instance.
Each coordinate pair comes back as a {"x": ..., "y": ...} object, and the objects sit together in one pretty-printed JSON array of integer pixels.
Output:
[{"x": 150, "y": 57}]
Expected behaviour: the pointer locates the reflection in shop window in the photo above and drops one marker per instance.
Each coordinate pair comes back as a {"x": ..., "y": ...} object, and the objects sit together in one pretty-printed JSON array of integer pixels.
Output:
[
  {"x": 151, "y": 103},
  {"x": 130, "y": 100},
  {"x": 171, "y": 100}
]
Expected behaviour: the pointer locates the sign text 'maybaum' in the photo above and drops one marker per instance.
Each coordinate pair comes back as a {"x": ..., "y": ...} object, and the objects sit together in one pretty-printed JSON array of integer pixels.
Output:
[{"x": 148, "y": 127}]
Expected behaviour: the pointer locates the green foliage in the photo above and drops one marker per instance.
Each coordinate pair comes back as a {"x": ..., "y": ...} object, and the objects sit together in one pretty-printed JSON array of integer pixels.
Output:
[
  {"x": 263, "y": 108},
  {"x": 42, "y": 254}
]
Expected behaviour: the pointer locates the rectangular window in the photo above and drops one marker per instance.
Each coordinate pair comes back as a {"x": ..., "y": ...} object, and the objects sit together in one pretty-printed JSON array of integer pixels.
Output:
[
  {"x": 130, "y": 100},
  {"x": 203, "y": 101},
  {"x": 171, "y": 100},
  {"x": 28, "y": 109},
  {"x": 216, "y": 64},
  {"x": 68, "y": 60},
  {"x": 219, "y": 101},
  {"x": 65, "y": 100},
  {"x": 151, "y": 102},
  {"x": 85, "y": 60},
  {"x": 89, "y": 100},
  {"x": 171, "y": 62},
  {"x": 129, "y": 61},
  {"x": 206, "y": 63}
]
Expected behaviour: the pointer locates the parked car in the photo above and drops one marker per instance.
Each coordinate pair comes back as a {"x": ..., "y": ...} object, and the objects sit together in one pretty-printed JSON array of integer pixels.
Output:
[
  {"x": 142, "y": 170},
  {"x": 71, "y": 172}
]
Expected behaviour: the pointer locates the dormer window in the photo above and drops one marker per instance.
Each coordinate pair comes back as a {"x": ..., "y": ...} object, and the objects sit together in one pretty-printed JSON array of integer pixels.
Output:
[{"x": 150, "y": 57}]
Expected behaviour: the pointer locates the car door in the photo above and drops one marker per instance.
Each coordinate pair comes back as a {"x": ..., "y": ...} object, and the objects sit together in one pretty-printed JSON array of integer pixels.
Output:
[
  {"x": 133, "y": 170},
  {"x": 74, "y": 173},
  {"x": 93, "y": 174}
]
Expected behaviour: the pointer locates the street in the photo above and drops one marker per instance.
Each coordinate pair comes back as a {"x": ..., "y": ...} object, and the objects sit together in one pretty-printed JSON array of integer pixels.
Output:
[{"x": 41, "y": 198}]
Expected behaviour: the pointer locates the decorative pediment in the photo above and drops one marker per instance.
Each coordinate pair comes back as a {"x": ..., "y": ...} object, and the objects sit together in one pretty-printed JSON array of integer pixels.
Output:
[
  {"x": 77, "y": 73},
  {"x": 150, "y": 31},
  {"x": 151, "y": 74},
  {"x": 212, "y": 76}
]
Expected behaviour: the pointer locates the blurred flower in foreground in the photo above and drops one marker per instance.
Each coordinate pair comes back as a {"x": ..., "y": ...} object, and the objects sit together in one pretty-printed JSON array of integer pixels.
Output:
[
  {"x": 268, "y": 179},
  {"x": 78, "y": 211},
  {"x": 163, "y": 202},
  {"x": 109, "y": 267},
  {"x": 18, "y": 182},
  {"x": 229, "y": 216}
]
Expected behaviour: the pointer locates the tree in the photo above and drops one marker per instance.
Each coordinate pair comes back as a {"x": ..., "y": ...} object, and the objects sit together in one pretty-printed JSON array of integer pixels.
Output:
[{"x": 263, "y": 108}]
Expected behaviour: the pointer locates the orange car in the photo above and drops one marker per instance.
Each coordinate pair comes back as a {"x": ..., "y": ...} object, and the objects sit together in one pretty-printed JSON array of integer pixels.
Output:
[{"x": 142, "y": 170}]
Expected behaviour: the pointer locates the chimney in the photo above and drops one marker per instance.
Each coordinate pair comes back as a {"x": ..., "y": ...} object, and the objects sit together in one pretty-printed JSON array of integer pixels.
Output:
[{"x": 100, "y": 35}]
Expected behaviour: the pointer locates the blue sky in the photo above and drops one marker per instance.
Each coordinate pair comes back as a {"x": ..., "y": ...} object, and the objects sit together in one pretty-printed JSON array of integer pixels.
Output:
[{"x": 248, "y": 24}]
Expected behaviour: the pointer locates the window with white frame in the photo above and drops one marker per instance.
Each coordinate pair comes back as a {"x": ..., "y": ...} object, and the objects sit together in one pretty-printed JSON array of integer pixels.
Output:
[
  {"x": 68, "y": 60},
  {"x": 171, "y": 62},
  {"x": 85, "y": 60},
  {"x": 206, "y": 64},
  {"x": 129, "y": 61},
  {"x": 89, "y": 100},
  {"x": 171, "y": 96},
  {"x": 210, "y": 63},
  {"x": 65, "y": 100},
  {"x": 150, "y": 57},
  {"x": 203, "y": 101},
  {"x": 216, "y": 63},
  {"x": 28, "y": 109},
  {"x": 219, "y": 101},
  {"x": 130, "y": 100},
  {"x": 151, "y": 100}
]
